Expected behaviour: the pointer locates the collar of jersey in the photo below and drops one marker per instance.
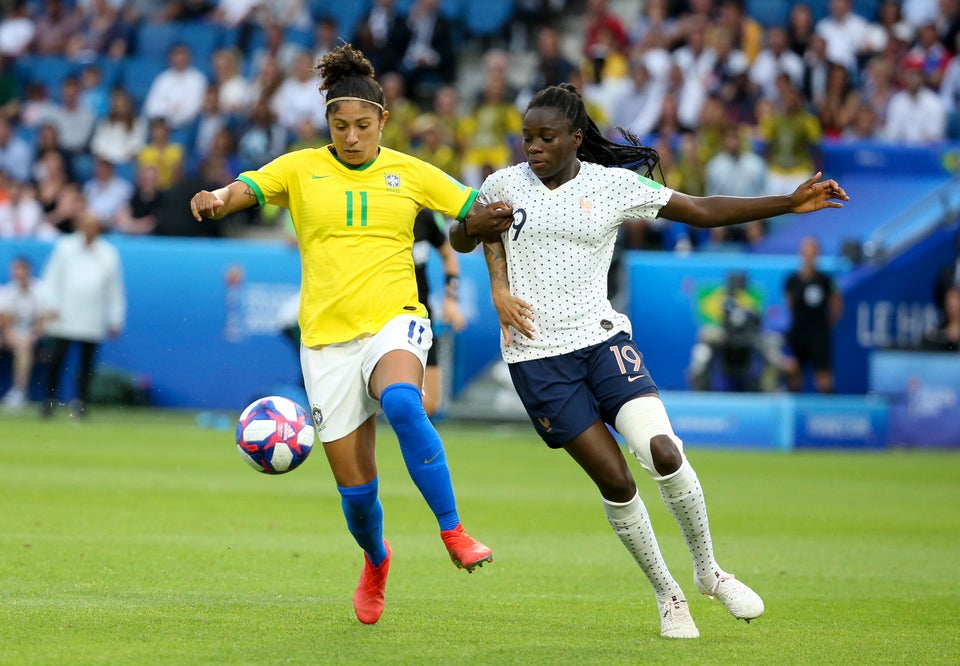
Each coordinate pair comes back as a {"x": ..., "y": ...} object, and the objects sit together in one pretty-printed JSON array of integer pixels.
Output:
[{"x": 361, "y": 167}]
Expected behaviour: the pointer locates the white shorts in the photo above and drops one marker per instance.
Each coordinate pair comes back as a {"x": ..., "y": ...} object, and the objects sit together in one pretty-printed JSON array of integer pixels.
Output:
[{"x": 337, "y": 376}]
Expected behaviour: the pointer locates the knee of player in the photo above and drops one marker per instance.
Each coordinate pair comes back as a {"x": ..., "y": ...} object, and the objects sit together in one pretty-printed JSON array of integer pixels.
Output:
[
  {"x": 401, "y": 402},
  {"x": 666, "y": 455},
  {"x": 619, "y": 487}
]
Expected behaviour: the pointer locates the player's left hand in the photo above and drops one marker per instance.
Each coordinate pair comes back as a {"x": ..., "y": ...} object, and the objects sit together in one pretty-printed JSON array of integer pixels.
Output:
[
  {"x": 513, "y": 313},
  {"x": 814, "y": 194}
]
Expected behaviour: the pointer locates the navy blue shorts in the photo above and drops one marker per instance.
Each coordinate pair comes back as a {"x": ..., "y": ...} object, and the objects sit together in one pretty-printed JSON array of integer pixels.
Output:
[{"x": 564, "y": 395}]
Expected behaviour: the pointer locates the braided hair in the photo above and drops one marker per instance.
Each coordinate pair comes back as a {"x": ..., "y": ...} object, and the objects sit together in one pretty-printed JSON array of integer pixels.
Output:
[
  {"x": 595, "y": 147},
  {"x": 346, "y": 72}
]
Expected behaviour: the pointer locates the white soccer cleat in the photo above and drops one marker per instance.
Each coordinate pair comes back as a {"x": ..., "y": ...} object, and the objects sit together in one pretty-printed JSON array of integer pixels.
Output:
[
  {"x": 742, "y": 602},
  {"x": 676, "y": 621}
]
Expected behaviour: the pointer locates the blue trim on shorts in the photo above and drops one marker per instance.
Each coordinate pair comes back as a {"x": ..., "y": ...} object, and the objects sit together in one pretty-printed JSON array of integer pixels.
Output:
[{"x": 564, "y": 395}]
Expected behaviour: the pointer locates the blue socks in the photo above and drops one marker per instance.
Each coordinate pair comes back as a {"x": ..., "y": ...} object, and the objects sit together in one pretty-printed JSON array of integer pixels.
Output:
[
  {"x": 422, "y": 450},
  {"x": 364, "y": 514}
]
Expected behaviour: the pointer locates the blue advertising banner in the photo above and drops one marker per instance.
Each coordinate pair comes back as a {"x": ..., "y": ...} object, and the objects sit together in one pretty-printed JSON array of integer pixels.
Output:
[{"x": 923, "y": 389}]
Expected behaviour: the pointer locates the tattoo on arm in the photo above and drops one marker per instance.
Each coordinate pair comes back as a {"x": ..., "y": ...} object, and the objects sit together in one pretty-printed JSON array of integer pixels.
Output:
[{"x": 496, "y": 258}]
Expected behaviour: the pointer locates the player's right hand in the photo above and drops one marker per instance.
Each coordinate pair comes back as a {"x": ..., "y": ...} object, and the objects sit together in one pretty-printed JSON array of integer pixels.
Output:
[
  {"x": 513, "y": 312},
  {"x": 205, "y": 204},
  {"x": 491, "y": 220}
]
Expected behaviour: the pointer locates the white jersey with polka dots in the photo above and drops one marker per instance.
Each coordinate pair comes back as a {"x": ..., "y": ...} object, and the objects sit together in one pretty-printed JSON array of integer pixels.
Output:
[{"x": 559, "y": 251}]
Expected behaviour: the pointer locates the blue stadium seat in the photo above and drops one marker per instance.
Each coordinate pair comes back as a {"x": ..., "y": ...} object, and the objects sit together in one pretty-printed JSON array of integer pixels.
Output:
[
  {"x": 137, "y": 75},
  {"x": 48, "y": 71},
  {"x": 452, "y": 9},
  {"x": 768, "y": 12},
  {"x": 487, "y": 18},
  {"x": 866, "y": 8},
  {"x": 153, "y": 40},
  {"x": 346, "y": 14},
  {"x": 203, "y": 39}
]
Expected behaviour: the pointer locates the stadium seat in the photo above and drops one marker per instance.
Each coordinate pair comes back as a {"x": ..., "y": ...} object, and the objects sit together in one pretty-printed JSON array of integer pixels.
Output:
[
  {"x": 153, "y": 40},
  {"x": 452, "y": 9},
  {"x": 47, "y": 71},
  {"x": 486, "y": 18},
  {"x": 347, "y": 14},
  {"x": 866, "y": 8},
  {"x": 768, "y": 12},
  {"x": 138, "y": 73}
]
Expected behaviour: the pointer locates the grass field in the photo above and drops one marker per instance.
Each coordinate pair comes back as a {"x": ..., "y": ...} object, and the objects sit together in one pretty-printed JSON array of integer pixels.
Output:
[{"x": 136, "y": 537}]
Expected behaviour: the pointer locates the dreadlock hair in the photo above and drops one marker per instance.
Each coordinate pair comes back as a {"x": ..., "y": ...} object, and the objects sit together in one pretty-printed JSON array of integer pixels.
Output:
[
  {"x": 346, "y": 73},
  {"x": 596, "y": 147}
]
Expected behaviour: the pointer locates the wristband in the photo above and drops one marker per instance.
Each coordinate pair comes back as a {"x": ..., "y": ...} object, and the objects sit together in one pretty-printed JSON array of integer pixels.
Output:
[{"x": 453, "y": 285}]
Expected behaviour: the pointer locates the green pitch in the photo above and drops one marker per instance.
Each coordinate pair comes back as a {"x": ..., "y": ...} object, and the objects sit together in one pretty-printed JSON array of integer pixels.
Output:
[{"x": 136, "y": 537}]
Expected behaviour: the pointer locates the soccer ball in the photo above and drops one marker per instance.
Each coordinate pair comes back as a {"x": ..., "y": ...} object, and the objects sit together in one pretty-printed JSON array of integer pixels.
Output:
[{"x": 274, "y": 435}]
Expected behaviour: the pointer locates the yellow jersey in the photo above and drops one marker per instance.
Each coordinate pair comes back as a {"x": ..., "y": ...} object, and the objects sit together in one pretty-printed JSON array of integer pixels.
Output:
[{"x": 354, "y": 226}]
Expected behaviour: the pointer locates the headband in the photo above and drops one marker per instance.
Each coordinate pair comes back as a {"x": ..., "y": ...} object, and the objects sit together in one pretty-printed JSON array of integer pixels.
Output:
[{"x": 355, "y": 99}]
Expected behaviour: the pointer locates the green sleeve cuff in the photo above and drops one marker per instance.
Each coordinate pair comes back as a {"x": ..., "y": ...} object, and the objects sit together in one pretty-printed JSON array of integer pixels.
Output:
[
  {"x": 466, "y": 206},
  {"x": 256, "y": 189}
]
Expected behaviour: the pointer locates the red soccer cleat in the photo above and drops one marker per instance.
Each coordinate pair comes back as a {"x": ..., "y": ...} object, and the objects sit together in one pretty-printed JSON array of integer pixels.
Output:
[
  {"x": 465, "y": 551},
  {"x": 368, "y": 599}
]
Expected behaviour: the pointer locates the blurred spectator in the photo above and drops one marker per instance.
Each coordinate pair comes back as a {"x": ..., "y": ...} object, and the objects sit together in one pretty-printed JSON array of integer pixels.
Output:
[
  {"x": 433, "y": 146},
  {"x": 267, "y": 82},
  {"x": 17, "y": 30},
  {"x": 106, "y": 193},
  {"x": 223, "y": 149},
  {"x": 916, "y": 114},
  {"x": 55, "y": 24},
  {"x": 21, "y": 215},
  {"x": 139, "y": 215},
  {"x": 947, "y": 336},
  {"x": 48, "y": 140},
  {"x": 928, "y": 49},
  {"x": 377, "y": 36},
  {"x": 175, "y": 218},
  {"x": 429, "y": 59},
  {"x": 326, "y": 36},
  {"x": 654, "y": 20},
  {"x": 492, "y": 128},
  {"x": 446, "y": 107},
  {"x": 696, "y": 62},
  {"x": 815, "y": 306},
  {"x": 94, "y": 94},
  {"x": 23, "y": 314},
  {"x": 528, "y": 17},
  {"x": 74, "y": 122},
  {"x": 638, "y": 108},
  {"x": 262, "y": 139},
  {"x": 296, "y": 98},
  {"x": 168, "y": 157},
  {"x": 950, "y": 84},
  {"x": 889, "y": 26},
  {"x": 603, "y": 31},
  {"x": 737, "y": 171},
  {"x": 51, "y": 175},
  {"x": 496, "y": 65},
  {"x": 84, "y": 280},
  {"x": 948, "y": 23},
  {"x": 816, "y": 67},
  {"x": 839, "y": 104},
  {"x": 122, "y": 134},
  {"x": 879, "y": 83},
  {"x": 918, "y": 12},
  {"x": 307, "y": 136},
  {"x": 398, "y": 132},
  {"x": 553, "y": 67},
  {"x": 775, "y": 58},
  {"x": 9, "y": 91},
  {"x": 801, "y": 26},
  {"x": 176, "y": 94},
  {"x": 608, "y": 66},
  {"x": 746, "y": 34},
  {"x": 289, "y": 13},
  {"x": 210, "y": 121},
  {"x": 103, "y": 33},
  {"x": 865, "y": 126},
  {"x": 67, "y": 207},
  {"x": 275, "y": 47},
  {"x": 232, "y": 88},
  {"x": 34, "y": 105},
  {"x": 16, "y": 154},
  {"x": 792, "y": 137},
  {"x": 845, "y": 32},
  {"x": 189, "y": 10}
]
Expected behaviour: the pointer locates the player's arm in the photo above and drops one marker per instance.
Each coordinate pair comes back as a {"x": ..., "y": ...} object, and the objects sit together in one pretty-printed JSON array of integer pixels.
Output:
[
  {"x": 482, "y": 222},
  {"x": 723, "y": 211},
  {"x": 512, "y": 311},
  {"x": 222, "y": 201}
]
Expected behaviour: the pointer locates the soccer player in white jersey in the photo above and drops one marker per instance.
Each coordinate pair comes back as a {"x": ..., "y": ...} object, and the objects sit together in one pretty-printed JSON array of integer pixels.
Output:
[{"x": 575, "y": 364}]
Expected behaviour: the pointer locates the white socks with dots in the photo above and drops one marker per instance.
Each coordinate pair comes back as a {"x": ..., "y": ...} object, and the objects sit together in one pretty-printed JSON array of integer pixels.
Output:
[
  {"x": 631, "y": 522},
  {"x": 683, "y": 496}
]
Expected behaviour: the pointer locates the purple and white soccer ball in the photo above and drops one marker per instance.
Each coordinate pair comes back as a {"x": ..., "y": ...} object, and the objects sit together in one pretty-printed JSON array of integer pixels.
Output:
[{"x": 274, "y": 435}]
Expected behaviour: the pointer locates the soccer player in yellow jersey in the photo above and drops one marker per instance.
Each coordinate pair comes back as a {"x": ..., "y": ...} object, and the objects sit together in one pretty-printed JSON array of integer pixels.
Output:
[{"x": 364, "y": 334}]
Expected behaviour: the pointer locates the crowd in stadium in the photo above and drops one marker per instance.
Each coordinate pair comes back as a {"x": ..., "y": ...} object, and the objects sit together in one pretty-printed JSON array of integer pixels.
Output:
[{"x": 127, "y": 107}]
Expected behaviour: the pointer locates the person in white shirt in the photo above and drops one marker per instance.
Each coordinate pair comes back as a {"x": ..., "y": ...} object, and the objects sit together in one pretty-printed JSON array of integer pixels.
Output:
[
  {"x": 106, "y": 193},
  {"x": 845, "y": 32},
  {"x": 574, "y": 363},
  {"x": 84, "y": 280},
  {"x": 775, "y": 58},
  {"x": 916, "y": 114},
  {"x": 23, "y": 312},
  {"x": 121, "y": 135},
  {"x": 296, "y": 98},
  {"x": 177, "y": 92}
]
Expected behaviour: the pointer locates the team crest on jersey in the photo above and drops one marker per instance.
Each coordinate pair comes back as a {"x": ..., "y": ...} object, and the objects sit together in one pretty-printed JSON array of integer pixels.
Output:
[
  {"x": 586, "y": 206},
  {"x": 393, "y": 180},
  {"x": 318, "y": 417}
]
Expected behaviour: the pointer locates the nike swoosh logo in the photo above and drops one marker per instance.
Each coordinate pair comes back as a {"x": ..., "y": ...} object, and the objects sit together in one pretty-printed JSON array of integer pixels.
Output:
[
  {"x": 635, "y": 378},
  {"x": 315, "y": 177},
  {"x": 427, "y": 461}
]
